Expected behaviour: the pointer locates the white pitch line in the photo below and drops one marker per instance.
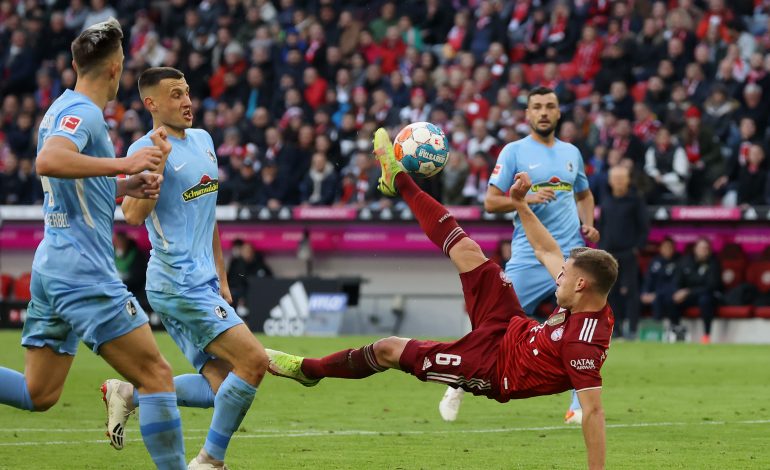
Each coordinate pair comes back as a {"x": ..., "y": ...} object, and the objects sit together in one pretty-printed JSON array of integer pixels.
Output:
[{"x": 270, "y": 434}]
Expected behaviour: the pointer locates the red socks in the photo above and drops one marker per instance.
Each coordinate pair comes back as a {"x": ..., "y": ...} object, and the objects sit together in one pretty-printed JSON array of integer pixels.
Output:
[
  {"x": 347, "y": 364},
  {"x": 437, "y": 223}
]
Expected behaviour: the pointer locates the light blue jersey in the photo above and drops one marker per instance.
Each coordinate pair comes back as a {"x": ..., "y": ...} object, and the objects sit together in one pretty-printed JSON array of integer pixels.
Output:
[
  {"x": 76, "y": 290},
  {"x": 78, "y": 212},
  {"x": 182, "y": 225},
  {"x": 559, "y": 167},
  {"x": 182, "y": 284}
]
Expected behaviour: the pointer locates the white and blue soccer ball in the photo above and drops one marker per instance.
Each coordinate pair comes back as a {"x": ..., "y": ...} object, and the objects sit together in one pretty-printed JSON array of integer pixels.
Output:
[{"x": 422, "y": 149}]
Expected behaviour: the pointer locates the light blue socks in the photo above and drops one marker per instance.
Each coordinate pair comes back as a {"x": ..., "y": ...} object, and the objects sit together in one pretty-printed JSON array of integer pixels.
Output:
[
  {"x": 231, "y": 403},
  {"x": 161, "y": 429},
  {"x": 13, "y": 390}
]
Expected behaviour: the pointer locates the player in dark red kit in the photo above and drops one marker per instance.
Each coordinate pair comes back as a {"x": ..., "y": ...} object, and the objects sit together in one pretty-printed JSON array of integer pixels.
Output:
[{"x": 506, "y": 355}]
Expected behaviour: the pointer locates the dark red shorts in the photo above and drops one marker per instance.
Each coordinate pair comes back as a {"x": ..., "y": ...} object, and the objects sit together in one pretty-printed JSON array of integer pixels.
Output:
[{"x": 470, "y": 363}]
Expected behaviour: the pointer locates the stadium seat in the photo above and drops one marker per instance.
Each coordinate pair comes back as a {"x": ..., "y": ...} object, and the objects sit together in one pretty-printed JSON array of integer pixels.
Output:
[
  {"x": 734, "y": 311},
  {"x": 6, "y": 285},
  {"x": 733, "y": 272},
  {"x": 762, "y": 312},
  {"x": 533, "y": 73},
  {"x": 638, "y": 91},
  {"x": 583, "y": 91},
  {"x": 567, "y": 71},
  {"x": 21, "y": 287},
  {"x": 758, "y": 274},
  {"x": 731, "y": 251},
  {"x": 692, "y": 312}
]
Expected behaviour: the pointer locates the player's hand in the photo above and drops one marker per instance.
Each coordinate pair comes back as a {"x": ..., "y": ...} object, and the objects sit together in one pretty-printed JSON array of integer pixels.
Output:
[
  {"x": 520, "y": 188},
  {"x": 590, "y": 233},
  {"x": 159, "y": 137},
  {"x": 542, "y": 196},
  {"x": 224, "y": 291},
  {"x": 144, "y": 186},
  {"x": 146, "y": 158}
]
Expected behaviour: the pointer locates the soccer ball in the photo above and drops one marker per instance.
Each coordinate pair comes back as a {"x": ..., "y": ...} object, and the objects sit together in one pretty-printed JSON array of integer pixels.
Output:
[{"x": 422, "y": 149}]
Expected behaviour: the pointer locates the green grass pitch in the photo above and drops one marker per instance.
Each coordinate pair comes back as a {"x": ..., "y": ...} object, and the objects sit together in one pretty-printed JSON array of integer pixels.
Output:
[{"x": 667, "y": 406}]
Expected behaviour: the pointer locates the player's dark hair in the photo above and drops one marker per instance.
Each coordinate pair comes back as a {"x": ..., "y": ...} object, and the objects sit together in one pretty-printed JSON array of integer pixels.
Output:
[
  {"x": 95, "y": 44},
  {"x": 152, "y": 76},
  {"x": 601, "y": 266},
  {"x": 540, "y": 90}
]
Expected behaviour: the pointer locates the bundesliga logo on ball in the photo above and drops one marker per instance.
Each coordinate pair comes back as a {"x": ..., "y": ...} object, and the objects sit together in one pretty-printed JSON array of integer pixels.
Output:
[{"x": 422, "y": 149}]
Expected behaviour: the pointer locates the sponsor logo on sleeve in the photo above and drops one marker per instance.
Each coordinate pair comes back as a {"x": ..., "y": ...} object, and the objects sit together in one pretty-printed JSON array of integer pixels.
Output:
[
  {"x": 497, "y": 169},
  {"x": 70, "y": 124},
  {"x": 583, "y": 364}
]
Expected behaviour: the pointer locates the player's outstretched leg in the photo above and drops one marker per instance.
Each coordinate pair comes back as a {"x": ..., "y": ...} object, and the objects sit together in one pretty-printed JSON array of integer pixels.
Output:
[
  {"x": 13, "y": 390},
  {"x": 575, "y": 412},
  {"x": 437, "y": 223}
]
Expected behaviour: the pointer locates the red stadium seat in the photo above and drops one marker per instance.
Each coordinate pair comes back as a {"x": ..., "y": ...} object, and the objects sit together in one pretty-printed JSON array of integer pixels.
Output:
[
  {"x": 583, "y": 91},
  {"x": 733, "y": 272},
  {"x": 639, "y": 91},
  {"x": 758, "y": 274},
  {"x": 692, "y": 312},
  {"x": 734, "y": 311},
  {"x": 6, "y": 285},
  {"x": 567, "y": 71},
  {"x": 731, "y": 251},
  {"x": 21, "y": 287},
  {"x": 762, "y": 312},
  {"x": 533, "y": 73}
]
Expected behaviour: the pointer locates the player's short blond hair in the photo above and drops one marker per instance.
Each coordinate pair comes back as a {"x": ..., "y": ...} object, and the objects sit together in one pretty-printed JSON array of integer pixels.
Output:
[{"x": 601, "y": 266}]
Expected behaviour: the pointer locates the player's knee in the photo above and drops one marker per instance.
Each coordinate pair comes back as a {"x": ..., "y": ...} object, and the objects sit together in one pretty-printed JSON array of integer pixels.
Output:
[
  {"x": 252, "y": 366},
  {"x": 43, "y": 399},
  {"x": 156, "y": 377},
  {"x": 387, "y": 351}
]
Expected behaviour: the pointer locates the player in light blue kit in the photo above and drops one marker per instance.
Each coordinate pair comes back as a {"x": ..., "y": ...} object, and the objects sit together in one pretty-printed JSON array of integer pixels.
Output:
[
  {"x": 76, "y": 291},
  {"x": 186, "y": 276},
  {"x": 559, "y": 197}
]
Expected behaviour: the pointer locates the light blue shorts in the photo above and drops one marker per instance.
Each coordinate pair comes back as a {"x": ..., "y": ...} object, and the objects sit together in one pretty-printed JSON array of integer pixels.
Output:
[
  {"x": 194, "y": 319},
  {"x": 532, "y": 283},
  {"x": 61, "y": 311}
]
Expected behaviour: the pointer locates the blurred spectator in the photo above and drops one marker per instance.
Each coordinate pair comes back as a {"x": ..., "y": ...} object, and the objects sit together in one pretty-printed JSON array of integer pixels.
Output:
[
  {"x": 319, "y": 188},
  {"x": 131, "y": 263},
  {"x": 385, "y": 20},
  {"x": 359, "y": 187},
  {"x": 245, "y": 264},
  {"x": 659, "y": 286},
  {"x": 624, "y": 226},
  {"x": 453, "y": 179},
  {"x": 666, "y": 163},
  {"x": 18, "y": 65},
  {"x": 718, "y": 112},
  {"x": 753, "y": 179},
  {"x": 503, "y": 252},
  {"x": 99, "y": 12},
  {"x": 475, "y": 187},
  {"x": 698, "y": 284},
  {"x": 272, "y": 188},
  {"x": 706, "y": 162}
]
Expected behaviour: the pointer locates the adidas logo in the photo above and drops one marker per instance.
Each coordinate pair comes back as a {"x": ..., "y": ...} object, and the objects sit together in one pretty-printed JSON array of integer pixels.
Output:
[
  {"x": 426, "y": 364},
  {"x": 289, "y": 316}
]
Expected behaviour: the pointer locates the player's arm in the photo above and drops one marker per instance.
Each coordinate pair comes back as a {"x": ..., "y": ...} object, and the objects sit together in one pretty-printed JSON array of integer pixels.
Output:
[
  {"x": 497, "y": 201},
  {"x": 140, "y": 186},
  {"x": 593, "y": 427},
  {"x": 546, "y": 248},
  {"x": 136, "y": 210},
  {"x": 61, "y": 158},
  {"x": 219, "y": 260}
]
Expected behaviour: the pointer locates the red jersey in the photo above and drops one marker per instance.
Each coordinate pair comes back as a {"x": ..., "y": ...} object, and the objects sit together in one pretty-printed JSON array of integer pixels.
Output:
[{"x": 565, "y": 352}]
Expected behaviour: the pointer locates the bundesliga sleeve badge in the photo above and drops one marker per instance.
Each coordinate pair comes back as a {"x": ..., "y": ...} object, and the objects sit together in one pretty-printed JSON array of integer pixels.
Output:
[{"x": 70, "y": 124}]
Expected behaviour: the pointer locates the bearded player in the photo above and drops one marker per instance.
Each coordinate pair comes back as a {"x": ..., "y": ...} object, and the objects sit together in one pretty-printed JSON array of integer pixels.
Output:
[{"x": 506, "y": 355}]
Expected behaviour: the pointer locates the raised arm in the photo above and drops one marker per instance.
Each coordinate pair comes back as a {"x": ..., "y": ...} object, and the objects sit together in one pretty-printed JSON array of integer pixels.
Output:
[
  {"x": 546, "y": 248},
  {"x": 593, "y": 427},
  {"x": 60, "y": 158},
  {"x": 136, "y": 210},
  {"x": 585, "y": 206}
]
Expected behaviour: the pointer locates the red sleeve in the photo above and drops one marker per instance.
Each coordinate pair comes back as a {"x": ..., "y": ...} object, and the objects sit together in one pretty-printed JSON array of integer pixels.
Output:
[{"x": 582, "y": 361}]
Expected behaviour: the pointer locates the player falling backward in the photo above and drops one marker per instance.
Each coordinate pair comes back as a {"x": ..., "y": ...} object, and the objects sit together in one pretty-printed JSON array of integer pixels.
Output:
[
  {"x": 186, "y": 278},
  {"x": 506, "y": 355}
]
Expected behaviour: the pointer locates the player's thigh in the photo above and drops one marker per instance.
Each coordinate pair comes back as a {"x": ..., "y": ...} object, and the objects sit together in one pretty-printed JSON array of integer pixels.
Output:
[
  {"x": 195, "y": 318},
  {"x": 98, "y": 312},
  {"x": 242, "y": 350},
  {"x": 45, "y": 372},
  {"x": 136, "y": 357},
  {"x": 44, "y": 326},
  {"x": 466, "y": 255},
  {"x": 532, "y": 283},
  {"x": 489, "y": 297}
]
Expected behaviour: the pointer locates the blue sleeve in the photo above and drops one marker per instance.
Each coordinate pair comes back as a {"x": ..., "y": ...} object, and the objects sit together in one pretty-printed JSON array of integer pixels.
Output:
[
  {"x": 581, "y": 181},
  {"x": 139, "y": 144},
  {"x": 505, "y": 169},
  {"x": 79, "y": 123}
]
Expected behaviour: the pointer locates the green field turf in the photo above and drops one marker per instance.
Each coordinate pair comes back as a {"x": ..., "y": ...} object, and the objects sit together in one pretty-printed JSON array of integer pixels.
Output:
[{"x": 667, "y": 406}]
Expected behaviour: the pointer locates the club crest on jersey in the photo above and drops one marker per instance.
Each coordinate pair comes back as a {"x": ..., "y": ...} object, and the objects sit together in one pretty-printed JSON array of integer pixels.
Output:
[
  {"x": 220, "y": 312},
  {"x": 556, "y": 319},
  {"x": 557, "y": 333},
  {"x": 207, "y": 185},
  {"x": 70, "y": 124},
  {"x": 211, "y": 155},
  {"x": 554, "y": 183},
  {"x": 504, "y": 278},
  {"x": 131, "y": 308}
]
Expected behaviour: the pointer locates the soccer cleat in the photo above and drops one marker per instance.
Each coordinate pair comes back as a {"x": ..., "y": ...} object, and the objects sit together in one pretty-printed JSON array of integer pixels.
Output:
[
  {"x": 449, "y": 406},
  {"x": 383, "y": 152},
  {"x": 574, "y": 416},
  {"x": 117, "y": 412},
  {"x": 289, "y": 366},
  {"x": 197, "y": 465}
]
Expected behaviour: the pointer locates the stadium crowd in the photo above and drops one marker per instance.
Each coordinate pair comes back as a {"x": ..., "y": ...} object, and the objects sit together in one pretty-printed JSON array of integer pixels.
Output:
[{"x": 292, "y": 90}]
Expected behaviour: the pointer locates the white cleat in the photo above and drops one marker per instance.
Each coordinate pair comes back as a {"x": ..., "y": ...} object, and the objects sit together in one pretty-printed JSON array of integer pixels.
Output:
[
  {"x": 449, "y": 406},
  {"x": 574, "y": 416},
  {"x": 195, "y": 464},
  {"x": 118, "y": 411}
]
